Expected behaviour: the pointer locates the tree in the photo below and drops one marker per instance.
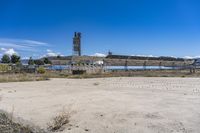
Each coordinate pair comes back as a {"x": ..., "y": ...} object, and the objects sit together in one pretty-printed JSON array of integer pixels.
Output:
[
  {"x": 58, "y": 56},
  {"x": 5, "y": 59},
  {"x": 39, "y": 62},
  {"x": 15, "y": 58},
  {"x": 31, "y": 61},
  {"x": 47, "y": 61}
]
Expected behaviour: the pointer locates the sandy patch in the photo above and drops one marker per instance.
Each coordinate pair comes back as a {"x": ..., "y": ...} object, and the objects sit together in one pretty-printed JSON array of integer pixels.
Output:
[{"x": 109, "y": 105}]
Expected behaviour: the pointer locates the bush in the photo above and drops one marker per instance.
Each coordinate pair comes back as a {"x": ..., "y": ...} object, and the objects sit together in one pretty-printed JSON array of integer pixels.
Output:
[
  {"x": 15, "y": 58},
  {"x": 7, "y": 125},
  {"x": 5, "y": 68},
  {"x": 31, "y": 61},
  {"x": 47, "y": 61},
  {"x": 38, "y": 62},
  {"x": 5, "y": 59},
  {"x": 58, "y": 122},
  {"x": 95, "y": 84},
  {"x": 41, "y": 70}
]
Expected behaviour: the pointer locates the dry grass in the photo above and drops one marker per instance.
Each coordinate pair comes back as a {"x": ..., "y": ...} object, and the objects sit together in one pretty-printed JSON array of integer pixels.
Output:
[
  {"x": 59, "y": 121},
  {"x": 7, "y": 125},
  {"x": 0, "y": 98},
  {"x": 96, "y": 84},
  {"x": 56, "y": 74},
  {"x": 21, "y": 77},
  {"x": 141, "y": 73}
]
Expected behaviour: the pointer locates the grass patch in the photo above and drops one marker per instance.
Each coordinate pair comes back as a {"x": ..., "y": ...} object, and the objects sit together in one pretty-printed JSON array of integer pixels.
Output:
[
  {"x": 7, "y": 125},
  {"x": 22, "y": 77},
  {"x": 140, "y": 73},
  {"x": 59, "y": 121}
]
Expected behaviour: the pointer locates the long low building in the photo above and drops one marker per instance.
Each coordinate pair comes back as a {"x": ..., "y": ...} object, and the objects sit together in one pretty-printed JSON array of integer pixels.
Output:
[{"x": 121, "y": 60}]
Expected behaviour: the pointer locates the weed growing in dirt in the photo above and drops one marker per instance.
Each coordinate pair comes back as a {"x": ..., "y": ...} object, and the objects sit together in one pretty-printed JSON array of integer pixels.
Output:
[
  {"x": 59, "y": 121},
  {"x": 7, "y": 125},
  {"x": 95, "y": 84}
]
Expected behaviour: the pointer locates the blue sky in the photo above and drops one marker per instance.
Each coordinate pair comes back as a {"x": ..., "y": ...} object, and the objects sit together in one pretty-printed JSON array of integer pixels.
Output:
[{"x": 133, "y": 27}]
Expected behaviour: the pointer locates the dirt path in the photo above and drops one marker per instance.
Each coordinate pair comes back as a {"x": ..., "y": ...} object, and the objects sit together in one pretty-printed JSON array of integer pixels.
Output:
[{"x": 108, "y": 105}]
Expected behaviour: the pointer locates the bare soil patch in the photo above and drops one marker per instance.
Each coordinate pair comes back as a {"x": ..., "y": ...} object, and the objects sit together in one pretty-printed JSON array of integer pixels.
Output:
[{"x": 105, "y": 105}]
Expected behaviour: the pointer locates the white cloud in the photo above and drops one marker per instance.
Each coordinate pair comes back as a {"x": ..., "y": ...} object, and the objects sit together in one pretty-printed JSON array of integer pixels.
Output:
[
  {"x": 24, "y": 47},
  {"x": 99, "y": 55},
  {"x": 51, "y": 53},
  {"x": 34, "y": 42},
  {"x": 172, "y": 56},
  {"x": 3, "y": 49},
  {"x": 21, "y": 44},
  {"x": 9, "y": 51},
  {"x": 145, "y": 55},
  {"x": 191, "y": 57},
  {"x": 12, "y": 45},
  {"x": 48, "y": 50}
]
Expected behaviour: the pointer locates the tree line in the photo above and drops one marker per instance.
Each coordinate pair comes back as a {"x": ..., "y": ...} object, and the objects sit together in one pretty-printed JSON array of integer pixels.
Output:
[
  {"x": 39, "y": 61},
  {"x": 16, "y": 59},
  {"x": 10, "y": 59}
]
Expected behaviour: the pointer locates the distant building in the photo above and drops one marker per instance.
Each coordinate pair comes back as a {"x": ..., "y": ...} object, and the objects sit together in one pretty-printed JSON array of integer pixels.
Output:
[
  {"x": 77, "y": 44},
  {"x": 86, "y": 66}
]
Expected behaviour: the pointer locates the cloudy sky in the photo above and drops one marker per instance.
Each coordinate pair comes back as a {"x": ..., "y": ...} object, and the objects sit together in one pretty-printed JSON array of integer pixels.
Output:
[{"x": 136, "y": 27}]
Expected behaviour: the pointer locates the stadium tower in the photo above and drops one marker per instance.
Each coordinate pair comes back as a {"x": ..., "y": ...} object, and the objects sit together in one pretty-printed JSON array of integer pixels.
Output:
[{"x": 77, "y": 44}]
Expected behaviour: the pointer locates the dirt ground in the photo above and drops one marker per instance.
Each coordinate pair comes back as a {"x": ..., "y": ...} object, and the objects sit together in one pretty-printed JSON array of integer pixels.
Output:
[{"x": 108, "y": 105}]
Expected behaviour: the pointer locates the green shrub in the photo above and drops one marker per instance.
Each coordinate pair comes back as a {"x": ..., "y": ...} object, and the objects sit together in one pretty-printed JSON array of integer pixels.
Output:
[
  {"x": 5, "y": 59},
  {"x": 183, "y": 76},
  {"x": 15, "y": 58},
  {"x": 41, "y": 70},
  {"x": 4, "y": 68}
]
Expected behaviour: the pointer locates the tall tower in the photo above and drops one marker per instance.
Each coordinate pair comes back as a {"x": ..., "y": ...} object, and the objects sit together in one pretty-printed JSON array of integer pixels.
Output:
[{"x": 77, "y": 44}]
